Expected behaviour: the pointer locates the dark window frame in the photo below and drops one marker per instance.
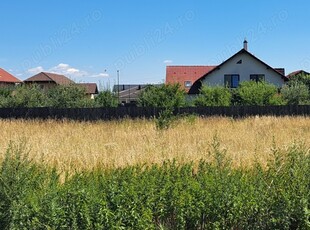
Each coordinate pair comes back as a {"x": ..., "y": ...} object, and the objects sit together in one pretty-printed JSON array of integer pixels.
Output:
[
  {"x": 257, "y": 77},
  {"x": 229, "y": 80}
]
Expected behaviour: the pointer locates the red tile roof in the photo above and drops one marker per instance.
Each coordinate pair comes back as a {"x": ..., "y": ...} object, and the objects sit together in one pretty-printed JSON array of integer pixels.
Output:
[
  {"x": 7, "y": 77},
  {"x": 180, "y": 74},
  {"x": 50, "y": 77},
  {"x": 91, "y": 88}
]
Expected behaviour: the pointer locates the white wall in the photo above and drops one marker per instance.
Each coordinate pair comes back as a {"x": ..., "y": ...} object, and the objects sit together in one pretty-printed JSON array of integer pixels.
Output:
[{"x": 249, "y": 66}]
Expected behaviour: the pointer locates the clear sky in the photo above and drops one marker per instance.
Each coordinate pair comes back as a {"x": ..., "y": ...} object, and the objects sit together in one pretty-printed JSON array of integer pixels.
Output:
[{"x": 90, "y": 40}]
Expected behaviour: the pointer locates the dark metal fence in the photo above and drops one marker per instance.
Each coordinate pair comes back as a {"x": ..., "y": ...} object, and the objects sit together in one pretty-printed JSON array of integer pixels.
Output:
[{"x": 141, "y": 112}]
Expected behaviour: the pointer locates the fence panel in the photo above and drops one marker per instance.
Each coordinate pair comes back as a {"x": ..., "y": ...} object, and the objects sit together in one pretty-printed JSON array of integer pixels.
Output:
[{"x": 147, "y": 112}]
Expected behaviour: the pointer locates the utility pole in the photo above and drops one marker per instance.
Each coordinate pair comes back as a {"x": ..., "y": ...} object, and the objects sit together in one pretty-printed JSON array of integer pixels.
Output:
[{"x": 118, "y": 85}]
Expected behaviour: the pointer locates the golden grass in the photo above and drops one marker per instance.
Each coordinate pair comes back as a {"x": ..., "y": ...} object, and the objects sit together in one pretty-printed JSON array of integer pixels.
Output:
[{"x": 85, "y": 145}]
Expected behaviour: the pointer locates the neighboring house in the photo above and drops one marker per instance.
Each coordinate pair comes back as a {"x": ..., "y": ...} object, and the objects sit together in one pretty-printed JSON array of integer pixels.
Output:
[
  {"x": 186, "y": 75},
  {"x": 298, "y": 72},
  {"x": 242, "y": 66},
  {"x": 48, "y": 80},
  {"x": 7, "y": 79},
  {"x": 90, "y": 88},
  {"x": 129, "y": 94}
]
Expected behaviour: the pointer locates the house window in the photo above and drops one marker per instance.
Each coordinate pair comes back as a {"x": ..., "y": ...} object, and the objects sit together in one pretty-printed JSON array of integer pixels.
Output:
[
  {"x": 232, "y": 80},
  {"x": 188, "y": 84},
  {"x": 257, "y": 77}
]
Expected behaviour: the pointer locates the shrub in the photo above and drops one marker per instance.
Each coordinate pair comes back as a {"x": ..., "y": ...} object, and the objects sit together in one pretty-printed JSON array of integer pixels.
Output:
[
  {"x": 296, "y": 93},
  {"x": 165, "y": 96},
  {"x": 165, "y": 119},
  {"x": 27, "y": 96},
  {"x": 257, "y": 93},
  {"x": 213, "y": 96},
  {"x": 106, "y": 99},
  {"x": 68, "y": 96},
  {"x": 303, "y": 78}
]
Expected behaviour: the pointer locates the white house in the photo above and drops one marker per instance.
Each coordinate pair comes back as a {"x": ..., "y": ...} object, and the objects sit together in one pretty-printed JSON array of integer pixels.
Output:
[{"x": 243, "y": 66}]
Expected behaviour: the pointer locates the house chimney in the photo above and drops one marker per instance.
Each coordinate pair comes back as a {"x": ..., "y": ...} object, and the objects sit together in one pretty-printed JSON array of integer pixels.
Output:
[{"x": 245, "y": 45}]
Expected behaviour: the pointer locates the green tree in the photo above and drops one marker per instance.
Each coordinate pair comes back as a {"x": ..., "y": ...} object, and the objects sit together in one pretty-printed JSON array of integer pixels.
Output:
[
  {"x": 5, "y": 95},
  {"x": 303, "y": 78},
  {"x": 296, "y": 93},
  {"x": 106, "y": 99},
  {"x": 27, "y": 96},
  {"x": 213, "y": 96},
  {"x": 257, "y": 93},
  {"x": 165, "y": 96},
  {"x": 70, "y": 96}
]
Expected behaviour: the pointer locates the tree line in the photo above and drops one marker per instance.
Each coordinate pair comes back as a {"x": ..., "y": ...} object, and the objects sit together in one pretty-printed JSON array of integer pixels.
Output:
[
  {"x": 69, "y": 96},
  {"x": 295, "y": 92}
]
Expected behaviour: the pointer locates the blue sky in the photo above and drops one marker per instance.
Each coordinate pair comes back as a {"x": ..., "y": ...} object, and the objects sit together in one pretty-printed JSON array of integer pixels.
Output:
[{"x": 90, "y": 40}]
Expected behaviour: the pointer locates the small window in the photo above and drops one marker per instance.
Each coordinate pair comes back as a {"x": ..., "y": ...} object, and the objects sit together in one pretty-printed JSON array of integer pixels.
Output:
[
  {"x": 188, "y": 84},
  {"x": 257, "y": 77},
  {"x": 231, "y": 80}
]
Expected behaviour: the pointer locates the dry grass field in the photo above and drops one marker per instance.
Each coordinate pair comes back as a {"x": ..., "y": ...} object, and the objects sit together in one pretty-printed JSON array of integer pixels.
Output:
[{"x": 72, "y": 145}]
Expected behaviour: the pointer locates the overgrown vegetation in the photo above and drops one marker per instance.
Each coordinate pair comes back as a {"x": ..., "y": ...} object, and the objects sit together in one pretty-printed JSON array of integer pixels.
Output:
[
  {"x": 257, "y": 93},
  {"x": 212, "y": 195},
  {"x": 164, "y": 96},
  {"x": 69, "y": 96},
  {"x": 213, "y": 96},
  {"x": 296, "y": 93},
  {"x": 302, "y": 78},
  {"x": 106, "y": 99}
]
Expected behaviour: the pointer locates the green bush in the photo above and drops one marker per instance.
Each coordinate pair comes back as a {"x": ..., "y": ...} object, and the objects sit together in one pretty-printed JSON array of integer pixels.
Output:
[
  {"x": 27, "y": 96},
  {"x": 257, "y": 93},
  {"x": 106, "y": 99},
  {"x": 296, "y": 93},
  {"x": 213, "y": 96},
  {"x": 165, "y": 119},
  {"x": 165, "y": 96},
  {"x": 302, "y": 78},
  {"x": 68, "y": 96}
]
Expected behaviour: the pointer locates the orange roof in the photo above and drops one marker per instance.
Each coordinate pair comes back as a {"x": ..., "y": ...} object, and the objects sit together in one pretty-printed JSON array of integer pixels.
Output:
[
  {"x": 180, "y": 74},
  {"x": 7, "y": 77}
]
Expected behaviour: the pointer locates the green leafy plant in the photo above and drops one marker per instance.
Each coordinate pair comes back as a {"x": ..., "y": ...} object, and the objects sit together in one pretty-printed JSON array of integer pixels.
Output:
[
  {"x": 257, "y": 93},
  {"x": 106, "y": 99},
  {"x": 212, "y": 195},
  {"x": 213, "y": 96},
  {"x": 27, "y": 96},
  {"x": 164, "y": 96},
  {"x": 67, "y": 96},
  {"x": 296, "y": 93},
  {"x": 165, "y": 119}
]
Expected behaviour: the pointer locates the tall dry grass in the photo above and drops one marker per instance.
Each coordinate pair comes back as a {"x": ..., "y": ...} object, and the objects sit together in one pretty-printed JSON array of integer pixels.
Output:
[{"x": 72, "y": 145}]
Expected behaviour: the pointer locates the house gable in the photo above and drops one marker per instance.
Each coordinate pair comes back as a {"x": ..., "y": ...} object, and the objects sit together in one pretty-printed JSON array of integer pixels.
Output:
[{"x": 242, "y": 65}]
